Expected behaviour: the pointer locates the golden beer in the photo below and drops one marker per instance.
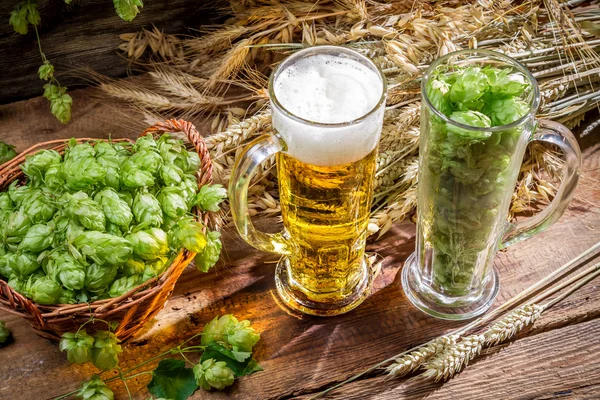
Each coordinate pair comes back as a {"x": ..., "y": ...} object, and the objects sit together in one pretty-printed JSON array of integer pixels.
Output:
[
  {"x": 325, "y": 212},
  {"x": 327, "y": 106}
]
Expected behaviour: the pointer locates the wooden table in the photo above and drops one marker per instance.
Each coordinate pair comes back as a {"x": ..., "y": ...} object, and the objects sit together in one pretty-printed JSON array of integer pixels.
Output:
[{"x": 301, "y": 355}]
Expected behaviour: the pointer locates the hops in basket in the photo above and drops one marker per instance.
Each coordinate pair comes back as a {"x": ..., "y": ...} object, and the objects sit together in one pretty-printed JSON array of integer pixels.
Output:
[{"x": 103, "y": 219}]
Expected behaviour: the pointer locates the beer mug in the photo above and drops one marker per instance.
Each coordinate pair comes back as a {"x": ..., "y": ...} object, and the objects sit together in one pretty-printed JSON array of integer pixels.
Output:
[
  {"x": 467, "y": 176},
  {"x": 327, "y": 105}
]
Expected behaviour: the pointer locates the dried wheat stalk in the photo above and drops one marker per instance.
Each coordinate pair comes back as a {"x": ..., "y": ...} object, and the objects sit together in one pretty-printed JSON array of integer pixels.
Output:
[{"x": 415, "y": 359}]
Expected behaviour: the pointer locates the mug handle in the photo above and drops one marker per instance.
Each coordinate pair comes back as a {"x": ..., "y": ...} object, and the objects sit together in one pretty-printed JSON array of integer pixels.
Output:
[
  {"x": 244, "y": 169},
  {"x": 559, "y": 135}
]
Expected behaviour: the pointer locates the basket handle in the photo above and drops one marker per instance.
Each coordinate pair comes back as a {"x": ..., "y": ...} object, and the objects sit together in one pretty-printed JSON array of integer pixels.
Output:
[{"x": 194, "y": 137}]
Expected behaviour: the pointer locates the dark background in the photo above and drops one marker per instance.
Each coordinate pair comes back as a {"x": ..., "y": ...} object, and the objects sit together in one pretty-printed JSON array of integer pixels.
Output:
[{"x": 84, "y": 34}]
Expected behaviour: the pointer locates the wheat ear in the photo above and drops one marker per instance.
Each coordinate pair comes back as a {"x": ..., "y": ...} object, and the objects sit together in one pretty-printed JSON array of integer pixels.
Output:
[
  {"x": 454, "y": 358},
  {"x": 413, "y": 360}
]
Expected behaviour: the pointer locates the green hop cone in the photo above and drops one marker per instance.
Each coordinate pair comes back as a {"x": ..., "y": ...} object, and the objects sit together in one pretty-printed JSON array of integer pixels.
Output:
[
  {"x": 17, "y": 226},
  {"x": 37, "y": 239},
  {"x": 98, "y": 278},
  {"x": 95, "y": 389},
  {"x": 148, "y": 160},
  {"x": 172, "y": 202},
  {"x": 116, "y": 209},
  {"x": 78, "y": 346},
  {"x": 145, "y": 142},
  {"x": 60, "y": 101},
  {"x": 62, "y": 267},
  {"x": 103, "y": 248},
  {"x": 469, "y": 86},
  {"x": 88, "y": 213},
  {"x": 7, "y": 152},
  {"x": 39, "y": 207},
  {"x": 149, "y": 245},
  {"x": 503, "y": 83},
  {"x": 124, "y": 285},
  {"x": 188, "y": 161},
  {"x": 171, "y": 174},
  {"x": 128, "y": 9},
  {"x": 147, "y": 210},
  {"x": 208, "y": 257},
  {"x": 45, "y": 291},
  {"x": 54, "y": 179},
  {"x": 503, "y": 111},
  {"x": 5, "y": 202},
  {"x": 242, "y": 337},
  {"x": 106, "y": 350},
  {"x": 133, "y": 176},
  {"x": 460, "y": 136},
  {"x": 39, "y": 163},
  {"x": 4, "y": 333},
  {"x": 131, "y": 267},
  {"x": 82, "y": 172},
  {"x": 24, "y": 264},
  {"x": 18, "y": 193},
  {"x": 6, "y": 270},
  {"x": 188, "y": 188},
  {"x": 210, "y": 196},
  {"x": 104, "y": 149},
  {"x": 216, "y": 330},
  {"x": 77, "y": 151},
  {"x": 437, "y": 93},
  {"x": 189, "y": 234},
  {"x": 213, "y": 374}
]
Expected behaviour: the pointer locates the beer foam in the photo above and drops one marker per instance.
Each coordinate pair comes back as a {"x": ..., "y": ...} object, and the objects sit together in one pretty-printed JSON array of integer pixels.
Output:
[{"x": 328, "y": 89}]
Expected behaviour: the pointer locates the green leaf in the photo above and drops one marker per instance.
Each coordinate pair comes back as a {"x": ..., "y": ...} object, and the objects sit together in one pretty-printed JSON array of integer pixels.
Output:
[
  {"x": 18, "y": 20},
  {"x": 220, "y": 353},
  {"x": 128, "y": 9},
  {"x": 46, "y": 70},
  {"x": 33, "y": 15},
  {"x": 172, "y": 380}
]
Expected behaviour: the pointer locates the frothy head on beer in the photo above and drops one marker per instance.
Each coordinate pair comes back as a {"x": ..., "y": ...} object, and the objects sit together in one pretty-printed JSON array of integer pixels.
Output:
[{"x": 319, "y": 93}]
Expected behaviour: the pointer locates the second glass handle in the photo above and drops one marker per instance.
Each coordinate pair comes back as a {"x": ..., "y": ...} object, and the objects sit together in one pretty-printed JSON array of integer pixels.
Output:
[
  {"x": 244, "y": 170},
  {"x": 556, "y": 134}
]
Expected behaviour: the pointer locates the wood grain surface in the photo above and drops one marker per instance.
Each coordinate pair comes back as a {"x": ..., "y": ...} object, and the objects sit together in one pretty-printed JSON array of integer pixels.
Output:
[{"x": 557, "y": 358}]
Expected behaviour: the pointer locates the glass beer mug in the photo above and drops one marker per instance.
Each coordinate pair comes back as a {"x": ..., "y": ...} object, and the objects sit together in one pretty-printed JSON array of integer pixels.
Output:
[
  {"x": 467, "y": 175},
  {"x": 327, "y": 105}
]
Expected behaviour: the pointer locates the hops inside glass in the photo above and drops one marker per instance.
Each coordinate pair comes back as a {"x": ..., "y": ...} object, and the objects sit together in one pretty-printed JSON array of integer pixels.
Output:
[{"x": 477, "y": 117}]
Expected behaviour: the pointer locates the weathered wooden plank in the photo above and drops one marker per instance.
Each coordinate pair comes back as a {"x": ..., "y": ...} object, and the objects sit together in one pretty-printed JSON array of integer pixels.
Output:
[
  {"x": 83, "y": 34},
  {"x": 555, "y": 364},
  {"x": 300, "y": 354}
]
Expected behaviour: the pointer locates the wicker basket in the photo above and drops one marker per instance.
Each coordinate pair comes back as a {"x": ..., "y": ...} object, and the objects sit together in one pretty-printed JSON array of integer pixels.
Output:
[{"x": 131, "y": 310}]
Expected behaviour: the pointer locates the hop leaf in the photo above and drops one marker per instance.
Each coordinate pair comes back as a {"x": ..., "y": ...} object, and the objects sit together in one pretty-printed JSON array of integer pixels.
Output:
[
  {"x": 172, "y": 380},
  {"x": 4, "y": 333},
  {"x": 78, "y": 346},
  {"x": 206, "y": 259},
  {"x": 106, "y": 350},
  {"x": 46, "y": 70},
  {"x": 7, "y": 152},
  {"x": 95, "y": 389},
  {"x": 128, "y": 9},
  {"x": 213, "y": 374},
  {"x": 18, "y": 19},
  {"x": 24, "y": 13},
  {"x": 210, "y": 196}
]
